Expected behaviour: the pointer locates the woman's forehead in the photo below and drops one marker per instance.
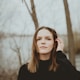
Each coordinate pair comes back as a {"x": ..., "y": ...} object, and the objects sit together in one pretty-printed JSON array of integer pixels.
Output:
[{"x": 44, "y": 32}]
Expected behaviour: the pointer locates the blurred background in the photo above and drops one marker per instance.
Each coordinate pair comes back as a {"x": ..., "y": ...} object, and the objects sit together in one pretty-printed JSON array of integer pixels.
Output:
[{"x": 19, "y": 19}]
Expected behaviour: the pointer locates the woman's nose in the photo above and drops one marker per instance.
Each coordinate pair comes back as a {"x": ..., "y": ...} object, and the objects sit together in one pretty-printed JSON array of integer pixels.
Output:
[{"x": 43, "y": 41}]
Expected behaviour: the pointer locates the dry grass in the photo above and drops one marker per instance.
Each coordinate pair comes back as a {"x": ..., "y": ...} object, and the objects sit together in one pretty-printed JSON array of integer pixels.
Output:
[{"x": 8, "y": 75}]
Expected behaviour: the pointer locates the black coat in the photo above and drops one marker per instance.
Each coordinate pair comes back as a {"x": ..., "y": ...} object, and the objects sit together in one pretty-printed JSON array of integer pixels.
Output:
[{"x": 65, "y": 70}]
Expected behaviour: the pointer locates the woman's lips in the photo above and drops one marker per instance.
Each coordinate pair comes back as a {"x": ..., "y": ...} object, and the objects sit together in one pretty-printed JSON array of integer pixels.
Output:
[{"x": 43, "y": 47}]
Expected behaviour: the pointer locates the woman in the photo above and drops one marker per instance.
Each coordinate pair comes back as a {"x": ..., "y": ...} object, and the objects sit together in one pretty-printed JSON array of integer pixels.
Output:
[{"x": 48, "y": 61}]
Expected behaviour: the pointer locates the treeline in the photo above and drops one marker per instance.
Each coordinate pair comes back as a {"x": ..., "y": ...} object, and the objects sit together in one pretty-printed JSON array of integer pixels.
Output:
[{"x": 64, "y": 37}]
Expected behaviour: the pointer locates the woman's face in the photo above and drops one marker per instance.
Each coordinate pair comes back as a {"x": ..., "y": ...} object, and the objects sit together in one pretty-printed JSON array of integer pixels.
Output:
[{"x": 45, "y": 41}]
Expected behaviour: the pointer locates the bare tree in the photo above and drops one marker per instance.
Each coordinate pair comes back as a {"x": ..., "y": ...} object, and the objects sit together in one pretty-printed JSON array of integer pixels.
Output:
[
  {"x": 32, "y": 13},
  {"x": 70, "y": 34},
  {"x": 17, "y": 50}
]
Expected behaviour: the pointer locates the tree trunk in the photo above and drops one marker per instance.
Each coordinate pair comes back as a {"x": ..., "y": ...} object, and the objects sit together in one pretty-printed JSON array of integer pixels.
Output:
[
  {"x": 32, "y": 13},
  {"x": 70, "y": 34},
  {"x": 34, "y": 16}
]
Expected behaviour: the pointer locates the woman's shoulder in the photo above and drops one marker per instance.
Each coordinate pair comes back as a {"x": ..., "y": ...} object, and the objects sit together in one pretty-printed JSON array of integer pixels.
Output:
[
  {"x": 60, "y": 55},
  {"x": 67, "y": 65},
  {"x": 63, "y": 60},
  {"x": 23, "y": 71},
  {"x": 24, "y": 68}
]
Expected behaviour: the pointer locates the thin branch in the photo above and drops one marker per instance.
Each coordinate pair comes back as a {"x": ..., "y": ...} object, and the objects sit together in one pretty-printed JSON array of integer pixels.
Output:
[{"x": 27, "y": 6}]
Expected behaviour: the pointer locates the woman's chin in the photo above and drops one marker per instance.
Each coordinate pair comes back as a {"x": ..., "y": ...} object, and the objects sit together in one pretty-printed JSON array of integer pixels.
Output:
[{"x": 43, "y": 52}]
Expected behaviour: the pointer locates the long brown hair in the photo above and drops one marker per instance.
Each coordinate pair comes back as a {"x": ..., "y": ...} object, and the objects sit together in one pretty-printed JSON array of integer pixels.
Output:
[{"x": 34, "y": 62}]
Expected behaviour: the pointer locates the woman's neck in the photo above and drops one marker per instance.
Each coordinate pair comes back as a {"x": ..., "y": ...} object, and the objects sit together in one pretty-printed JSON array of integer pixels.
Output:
[{"x": 44, "y": 56}]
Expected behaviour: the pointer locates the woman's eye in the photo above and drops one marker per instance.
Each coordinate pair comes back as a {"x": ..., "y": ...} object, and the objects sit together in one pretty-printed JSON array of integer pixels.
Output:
[
  {"x": 48, "y": 38},
  {"x": 43, "y": 39},
  {"x": 38, "y": 39}
]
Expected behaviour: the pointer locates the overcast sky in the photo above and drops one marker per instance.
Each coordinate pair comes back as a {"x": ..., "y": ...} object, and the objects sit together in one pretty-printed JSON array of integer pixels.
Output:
[{"x": 15, "y": 18}]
